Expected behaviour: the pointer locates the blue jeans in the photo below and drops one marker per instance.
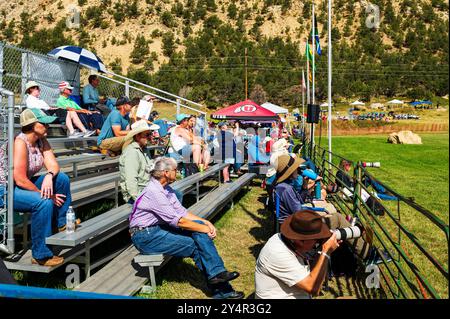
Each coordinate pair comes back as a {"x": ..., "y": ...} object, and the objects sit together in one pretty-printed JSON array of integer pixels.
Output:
[
  {"x": 163, "y": 239},
  {"x": 44, "y": 213}
]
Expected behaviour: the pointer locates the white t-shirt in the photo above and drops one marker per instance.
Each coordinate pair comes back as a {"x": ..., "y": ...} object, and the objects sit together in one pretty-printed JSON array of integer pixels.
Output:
[
  {"x": 277, "y": 271},
  {"x": 34, "y": 102}
]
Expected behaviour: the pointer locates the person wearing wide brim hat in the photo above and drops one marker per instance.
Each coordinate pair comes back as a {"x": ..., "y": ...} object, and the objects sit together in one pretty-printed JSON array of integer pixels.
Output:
[
  {"x": 293, "y": 197},
  {"x": 47, "y": 196},
  {"x": 134, "y": 162},
  {"x": 33, "y": 99},
  {"x": 283, "y": 270}
]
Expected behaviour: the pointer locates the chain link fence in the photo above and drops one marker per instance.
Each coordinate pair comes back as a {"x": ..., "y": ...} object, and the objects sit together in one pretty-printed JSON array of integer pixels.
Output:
[{"x": 18, "y": 66}]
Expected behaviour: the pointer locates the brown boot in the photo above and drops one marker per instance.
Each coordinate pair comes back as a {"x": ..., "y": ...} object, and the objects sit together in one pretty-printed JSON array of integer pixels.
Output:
[{"x": 49, "y": 262}]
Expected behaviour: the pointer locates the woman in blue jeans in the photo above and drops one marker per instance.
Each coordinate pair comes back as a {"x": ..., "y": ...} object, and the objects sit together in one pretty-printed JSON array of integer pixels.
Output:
[
  {"x": 159, "y": 224},
  {"x": 47, "y": 197}
]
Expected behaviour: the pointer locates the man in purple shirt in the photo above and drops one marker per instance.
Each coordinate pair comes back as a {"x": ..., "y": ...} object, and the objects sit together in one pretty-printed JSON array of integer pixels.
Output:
[{"x": 159, "y": 224}]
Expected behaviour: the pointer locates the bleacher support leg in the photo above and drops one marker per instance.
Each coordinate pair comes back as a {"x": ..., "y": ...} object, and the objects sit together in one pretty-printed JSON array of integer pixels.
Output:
[
  {"x": 75, "y": 170},
  {"x": 149, "y": 289},
  {"x": 87, "y": 258},
  {"x": 198, "y": 191},
  {"x": 25, "y": 231},
  {"x": 116, "y": 193}
]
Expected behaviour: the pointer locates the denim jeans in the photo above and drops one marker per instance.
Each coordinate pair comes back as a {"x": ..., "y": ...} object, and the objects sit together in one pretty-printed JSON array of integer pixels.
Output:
[
  {"x": 162, "y": 239},
  {"x": 44, "y": 213}
]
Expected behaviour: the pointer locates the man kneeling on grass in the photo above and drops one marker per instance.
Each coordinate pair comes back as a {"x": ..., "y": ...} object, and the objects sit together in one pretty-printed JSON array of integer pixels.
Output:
[{"x": 159, "y": 224}]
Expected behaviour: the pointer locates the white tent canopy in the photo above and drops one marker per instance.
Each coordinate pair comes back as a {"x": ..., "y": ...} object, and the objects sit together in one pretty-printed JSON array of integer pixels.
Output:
[
  {"x": 395, "y": 102},
  {"x": 357, "y": 103},
  {"x": 275, "y": 108},
  {"x": 323, "y": 104}
]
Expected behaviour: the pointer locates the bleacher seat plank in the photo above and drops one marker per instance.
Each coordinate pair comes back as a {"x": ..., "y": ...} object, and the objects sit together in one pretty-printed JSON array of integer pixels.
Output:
[
  {"x": 91, "y": 227},
  {"x": 190, "y": 181}
]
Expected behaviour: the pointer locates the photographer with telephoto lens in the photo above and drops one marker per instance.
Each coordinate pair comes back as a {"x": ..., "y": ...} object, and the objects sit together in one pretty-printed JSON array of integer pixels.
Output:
[
  {"x": 292, "y": 199},
  {"x": 284, "y": 267}
]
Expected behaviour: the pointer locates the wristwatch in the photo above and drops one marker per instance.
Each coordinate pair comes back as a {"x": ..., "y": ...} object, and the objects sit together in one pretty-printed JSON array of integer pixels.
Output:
[{"x": 51, "y": 173}]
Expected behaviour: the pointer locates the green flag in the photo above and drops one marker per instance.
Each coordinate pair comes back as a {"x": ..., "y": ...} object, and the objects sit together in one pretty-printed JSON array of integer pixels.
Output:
[{"x": 308, "y": 54}]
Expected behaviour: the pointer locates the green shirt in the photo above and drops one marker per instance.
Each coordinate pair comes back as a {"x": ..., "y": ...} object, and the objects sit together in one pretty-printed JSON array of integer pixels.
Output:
[
  {"x": 134, "y": 171},
  {"x": 65, "y": 102}
]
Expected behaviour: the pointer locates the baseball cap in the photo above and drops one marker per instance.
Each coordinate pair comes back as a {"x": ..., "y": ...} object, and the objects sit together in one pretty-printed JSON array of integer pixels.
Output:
[
  {"x": 122, "y": 100},
  {"x": 30, "y": 116},
  {"x": 181, "y": 117},
  {"x": 223, "y": 123},
  {"x": 65, "y": 85}
]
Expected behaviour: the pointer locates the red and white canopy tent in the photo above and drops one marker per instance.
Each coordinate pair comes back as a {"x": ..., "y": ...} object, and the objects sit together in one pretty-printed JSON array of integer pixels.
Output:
[{"x": 245, "y": 111}]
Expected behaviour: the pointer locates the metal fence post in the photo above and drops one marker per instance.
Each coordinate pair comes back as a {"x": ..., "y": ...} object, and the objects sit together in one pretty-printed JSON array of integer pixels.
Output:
[
  {"x": 357, "y": 190},
  {"x": 127, "y": 88},
  {"x": 178, "y": 106}
]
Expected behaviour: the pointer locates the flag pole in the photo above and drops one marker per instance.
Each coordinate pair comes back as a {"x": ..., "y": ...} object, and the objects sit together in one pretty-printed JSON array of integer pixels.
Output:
[
  {"x": 329, "y": 85},
  {"x": 313, "y": 40},
  {"x": 308, "y": 94},
  {"x": 303, "y": 97}
]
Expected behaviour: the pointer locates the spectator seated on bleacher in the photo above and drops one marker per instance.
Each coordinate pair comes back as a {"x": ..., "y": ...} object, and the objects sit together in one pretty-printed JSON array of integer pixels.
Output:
[
  {"x": 33, "y": 100},
  {"x": 226, "y": 151},
  {"x": 292, "y": 198},
  {"x": 159, "y": 224},
  {"x": 91, "y": 98},
  {"x": 134, "y": 162},
  {"x": 47, "y": 197},
  {"x": 283, "y": 268},
  {"x": 163, "y": 127},
  {"x": 279, "y": 148},
  {"x": 114, "y": 131},
  {"x": 185, "y": 144},
  {"x": 81, "y": 118},
  {"x": 205, "y": 157}
]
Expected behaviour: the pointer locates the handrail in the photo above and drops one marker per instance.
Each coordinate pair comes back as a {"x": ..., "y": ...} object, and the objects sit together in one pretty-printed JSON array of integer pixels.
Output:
[
  {"x": 153, "y": 88},
  {"x": 153, "y": 94}
]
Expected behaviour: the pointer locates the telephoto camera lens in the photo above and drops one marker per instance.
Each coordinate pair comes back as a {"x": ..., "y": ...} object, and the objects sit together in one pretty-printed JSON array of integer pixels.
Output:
[
  {"x": 348, "y": 232},
  {"x": 371, "y": 164}
]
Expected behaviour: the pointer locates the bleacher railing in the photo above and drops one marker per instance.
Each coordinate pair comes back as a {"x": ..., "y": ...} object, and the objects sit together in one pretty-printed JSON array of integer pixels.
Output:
[{"x": 413, "y": 237}]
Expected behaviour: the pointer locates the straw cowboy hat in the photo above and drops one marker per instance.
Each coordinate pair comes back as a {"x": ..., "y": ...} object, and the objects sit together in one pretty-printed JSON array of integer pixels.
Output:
[
  {"x": 141, "y": 126},
  {"x": 286, "y": 165},
  {"x": 305, "y": 225}
]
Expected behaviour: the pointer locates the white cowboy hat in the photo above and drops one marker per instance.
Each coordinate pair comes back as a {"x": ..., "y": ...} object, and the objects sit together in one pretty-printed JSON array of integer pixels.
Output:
[{"x": 141, "y": 126}]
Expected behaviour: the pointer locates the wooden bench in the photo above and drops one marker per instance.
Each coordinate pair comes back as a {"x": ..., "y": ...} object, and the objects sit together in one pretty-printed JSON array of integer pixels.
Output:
[{"x": 207, "y": 208}]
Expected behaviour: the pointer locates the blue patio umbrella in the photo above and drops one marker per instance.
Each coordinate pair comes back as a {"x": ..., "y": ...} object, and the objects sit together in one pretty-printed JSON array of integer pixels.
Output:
[{"x": 79, "y": 55}]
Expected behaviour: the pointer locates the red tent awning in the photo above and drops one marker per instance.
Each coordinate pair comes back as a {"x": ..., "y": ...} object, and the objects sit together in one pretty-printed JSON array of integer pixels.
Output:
[{"x": 246, "y": 110}]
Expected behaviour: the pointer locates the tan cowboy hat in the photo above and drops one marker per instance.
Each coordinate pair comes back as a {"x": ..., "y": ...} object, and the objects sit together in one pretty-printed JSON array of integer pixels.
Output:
[
  {"x": 286, "y": 166},
  {"x": 305, "y": 225},
  {"x": 139, "y": 127}
]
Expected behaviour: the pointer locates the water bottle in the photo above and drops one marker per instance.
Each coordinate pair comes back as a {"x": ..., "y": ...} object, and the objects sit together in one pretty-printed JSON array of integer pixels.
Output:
[
  {"x": 317, "y": 191},
  {"x": 70, "y": 220}
]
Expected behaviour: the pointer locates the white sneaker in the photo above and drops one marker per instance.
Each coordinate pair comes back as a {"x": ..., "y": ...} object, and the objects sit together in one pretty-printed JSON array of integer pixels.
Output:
[
  {"x": 75, "y": 134},
  {"x": 88, "y": 133}
]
